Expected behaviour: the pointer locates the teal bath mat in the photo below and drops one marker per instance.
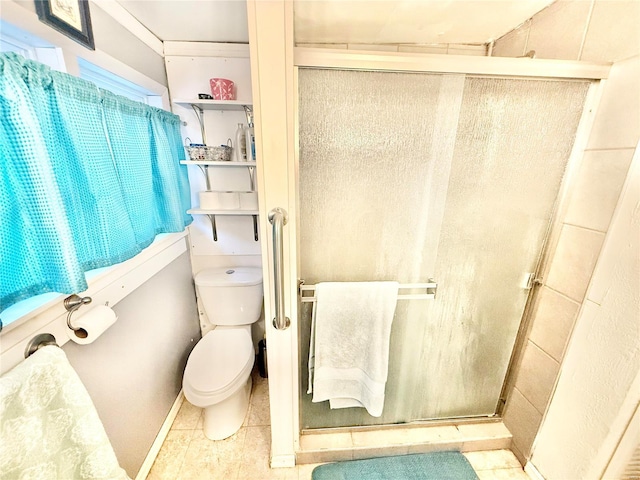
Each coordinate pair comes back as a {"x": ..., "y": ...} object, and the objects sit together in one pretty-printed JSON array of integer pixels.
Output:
[{"x": 425, "y": 466}]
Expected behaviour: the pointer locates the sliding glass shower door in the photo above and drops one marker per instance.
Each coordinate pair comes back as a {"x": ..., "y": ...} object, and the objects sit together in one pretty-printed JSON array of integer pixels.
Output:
[{"x": 409, "y": 177}]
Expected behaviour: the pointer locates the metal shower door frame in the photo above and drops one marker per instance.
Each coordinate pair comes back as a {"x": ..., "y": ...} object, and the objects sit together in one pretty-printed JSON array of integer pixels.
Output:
[
  {"x": 552, "y": 232},
  {"x": 275, "y": 62},
  {"x": 479, "y": 67}
]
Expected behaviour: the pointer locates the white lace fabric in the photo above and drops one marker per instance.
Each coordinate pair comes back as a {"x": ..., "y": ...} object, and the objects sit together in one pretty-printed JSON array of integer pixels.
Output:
[{"x": 49, "y": 427}]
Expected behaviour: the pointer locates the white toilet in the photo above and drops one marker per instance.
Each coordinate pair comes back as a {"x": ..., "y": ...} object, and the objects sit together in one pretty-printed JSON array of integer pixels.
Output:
[{"x": 218, "y": 373}]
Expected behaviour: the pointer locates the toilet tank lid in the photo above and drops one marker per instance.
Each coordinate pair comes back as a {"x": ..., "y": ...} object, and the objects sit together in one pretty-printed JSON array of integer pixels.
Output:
[{"x": 229, "y": 277}]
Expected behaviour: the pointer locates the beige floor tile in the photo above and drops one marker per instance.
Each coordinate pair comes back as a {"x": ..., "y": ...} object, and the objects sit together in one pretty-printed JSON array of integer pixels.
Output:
[
  {"x": 491, "y": 460},
  {"x": 305, "y": 471},
  {"x": 503, "y": 474},
  {"x": 208, "y": 471},
  {"x": 484, "y": 430},
  {"x": 486, "y": 444},
  {"x": 256, "y": 446},
  {"x": 188, "y": 455},
  {"x": 213, "y": 459},
  {"x": 324, "y": 456},
  {"x": 326, "y": 441},
  {"x": 201, "y": 449},
  {"x": 231, "y": 448},
  {"x": 373, "y": 452},
  {"x": 406, "y": 436},
  {"x": 259, "y": 404},
  {"x": 171, "y": 455},
  {"x": 452, "y": 446},
  {"x": 254, "y": 463},
  {"x": 255, "y": 472},
  {"x": 433, "y": 434},
  {"x": 259, "y": 383},
  {"x": 187, "y": 418}
]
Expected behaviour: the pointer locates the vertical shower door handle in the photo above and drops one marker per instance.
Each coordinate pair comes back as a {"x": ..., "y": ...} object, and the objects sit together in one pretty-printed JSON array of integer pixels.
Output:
[{"x": 278, "y": 218}]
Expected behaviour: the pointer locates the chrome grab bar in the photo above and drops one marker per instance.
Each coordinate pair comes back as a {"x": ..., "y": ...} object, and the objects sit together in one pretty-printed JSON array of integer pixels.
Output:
[{"x": 278, "y": 218}]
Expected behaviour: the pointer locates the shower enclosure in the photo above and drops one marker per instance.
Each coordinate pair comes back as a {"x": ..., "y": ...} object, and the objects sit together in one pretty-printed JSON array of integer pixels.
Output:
[
  {"x": 407, "y": 167},
  {"x": 416, "y": 176}
]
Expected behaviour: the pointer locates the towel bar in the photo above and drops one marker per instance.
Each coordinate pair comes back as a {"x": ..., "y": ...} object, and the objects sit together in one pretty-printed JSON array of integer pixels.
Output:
[
  {"x": 429, "y": 294},
  {"x": 39, "y": 341}
]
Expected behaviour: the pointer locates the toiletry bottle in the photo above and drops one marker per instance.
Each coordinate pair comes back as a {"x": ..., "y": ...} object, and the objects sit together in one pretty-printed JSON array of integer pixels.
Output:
[
  {"x": 251, "y": 143},
  {"x": 241, "y": 145}
]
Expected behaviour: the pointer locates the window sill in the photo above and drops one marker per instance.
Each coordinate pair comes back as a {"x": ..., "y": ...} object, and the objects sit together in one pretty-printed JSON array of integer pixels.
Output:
[{"x": 106, "y": 286}]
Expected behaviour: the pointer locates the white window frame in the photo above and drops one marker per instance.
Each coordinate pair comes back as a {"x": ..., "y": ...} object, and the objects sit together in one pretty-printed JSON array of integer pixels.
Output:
[
  {"x": 35, "y": 48},
  {"x": 116, "y": 84},
  {"x": 13, "y": 39}
]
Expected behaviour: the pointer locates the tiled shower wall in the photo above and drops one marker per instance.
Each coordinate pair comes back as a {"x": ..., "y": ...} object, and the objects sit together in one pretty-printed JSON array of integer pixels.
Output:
[
  {"x": 588, "y": 30},
  {"x": 598, "y": 30}
]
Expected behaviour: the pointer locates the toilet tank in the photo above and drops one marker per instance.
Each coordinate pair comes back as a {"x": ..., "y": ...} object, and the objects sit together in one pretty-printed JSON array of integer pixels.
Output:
[{"x": 231, "y": 296}]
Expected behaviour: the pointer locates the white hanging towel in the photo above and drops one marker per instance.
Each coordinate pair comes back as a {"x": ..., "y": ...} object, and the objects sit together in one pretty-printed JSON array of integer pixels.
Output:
[
  {"x": 349, "y": 350},
  {"x": 50, "y": 427}
]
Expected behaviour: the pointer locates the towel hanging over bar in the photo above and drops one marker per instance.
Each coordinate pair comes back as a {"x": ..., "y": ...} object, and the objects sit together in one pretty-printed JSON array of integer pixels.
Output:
[
  {"x": 429, "y": 291},
  {"x": 51, "y": 428}
]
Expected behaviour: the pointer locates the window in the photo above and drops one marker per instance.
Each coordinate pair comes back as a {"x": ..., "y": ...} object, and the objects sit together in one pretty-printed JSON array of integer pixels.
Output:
[
  {"x": 93, "y": 173},
  {"x": 10, "y": 44},
  {"x": 13, "y": 39},
  {"x": 118, "y": 85}
]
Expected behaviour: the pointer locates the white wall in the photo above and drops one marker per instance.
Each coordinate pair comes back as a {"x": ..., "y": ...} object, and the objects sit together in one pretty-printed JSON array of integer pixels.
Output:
[
  {"x": 133, "y": 372},
  {"x": 117, "y": 49}
]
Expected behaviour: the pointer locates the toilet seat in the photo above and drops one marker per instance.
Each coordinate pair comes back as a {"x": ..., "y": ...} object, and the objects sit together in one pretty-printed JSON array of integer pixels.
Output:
[{"x": 218, "y": 366}]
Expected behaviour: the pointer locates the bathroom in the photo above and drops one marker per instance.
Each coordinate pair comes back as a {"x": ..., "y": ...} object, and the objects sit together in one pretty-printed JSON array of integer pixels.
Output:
[{"x": 569, "y": 365}]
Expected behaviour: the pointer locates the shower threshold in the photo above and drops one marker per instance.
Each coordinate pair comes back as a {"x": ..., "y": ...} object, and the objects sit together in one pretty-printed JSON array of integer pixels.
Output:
[{"x": 355, "y": 443}]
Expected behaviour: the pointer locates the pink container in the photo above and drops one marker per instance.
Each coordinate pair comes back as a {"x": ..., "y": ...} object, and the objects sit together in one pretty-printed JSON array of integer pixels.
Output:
[{"x": 222, "y": 89}]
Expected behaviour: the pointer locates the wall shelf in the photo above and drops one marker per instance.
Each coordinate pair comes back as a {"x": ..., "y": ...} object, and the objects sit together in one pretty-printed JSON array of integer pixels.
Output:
[
  {"x": 199, "y": 106},
  {"x": 212, "y": 218},
  {"x": 201, "y": 211},
  {"x": 214, "y": 104},
  {"x": 217, "y": 163}
]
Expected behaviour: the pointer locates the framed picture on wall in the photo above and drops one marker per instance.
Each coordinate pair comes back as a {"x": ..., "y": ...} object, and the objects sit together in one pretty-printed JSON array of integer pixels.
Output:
[{"x": 70, "y": 17}]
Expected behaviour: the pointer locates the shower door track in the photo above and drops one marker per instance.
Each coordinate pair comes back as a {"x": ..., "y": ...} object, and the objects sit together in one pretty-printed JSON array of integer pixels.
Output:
[{"x": 436, "y": 422}]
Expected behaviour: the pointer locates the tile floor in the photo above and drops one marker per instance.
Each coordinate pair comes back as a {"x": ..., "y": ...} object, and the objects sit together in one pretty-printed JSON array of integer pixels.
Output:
[{"x": 188, "y": 455}]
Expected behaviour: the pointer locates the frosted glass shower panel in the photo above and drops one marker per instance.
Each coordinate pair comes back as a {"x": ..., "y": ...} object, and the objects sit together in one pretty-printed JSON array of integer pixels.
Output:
[
  {"x": 371, "y": 175},
  {"x": 514, "y": 138},
  {"x": 411, "y": 176}
]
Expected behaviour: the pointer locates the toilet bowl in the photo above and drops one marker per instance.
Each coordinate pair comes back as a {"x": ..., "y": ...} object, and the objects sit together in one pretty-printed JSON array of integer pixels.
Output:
[{"x": 217, "y": 377}]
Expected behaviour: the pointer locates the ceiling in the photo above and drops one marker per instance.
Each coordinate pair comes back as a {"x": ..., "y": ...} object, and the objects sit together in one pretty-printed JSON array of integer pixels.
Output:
[
  {"x": 192, "y": 20},
  {"x": 342, "y": 21}
]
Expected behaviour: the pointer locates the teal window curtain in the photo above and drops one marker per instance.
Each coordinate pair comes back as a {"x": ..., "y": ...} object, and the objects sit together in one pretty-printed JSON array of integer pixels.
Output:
[{"x": 88, "y": 179}]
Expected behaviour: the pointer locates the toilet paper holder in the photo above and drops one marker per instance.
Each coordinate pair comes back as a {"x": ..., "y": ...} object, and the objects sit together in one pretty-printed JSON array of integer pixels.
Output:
[{"x": 71, "y": 304}]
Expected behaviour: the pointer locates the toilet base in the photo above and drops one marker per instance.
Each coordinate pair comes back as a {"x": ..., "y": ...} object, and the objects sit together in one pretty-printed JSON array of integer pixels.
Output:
[{"x": 225, "y": 418}]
